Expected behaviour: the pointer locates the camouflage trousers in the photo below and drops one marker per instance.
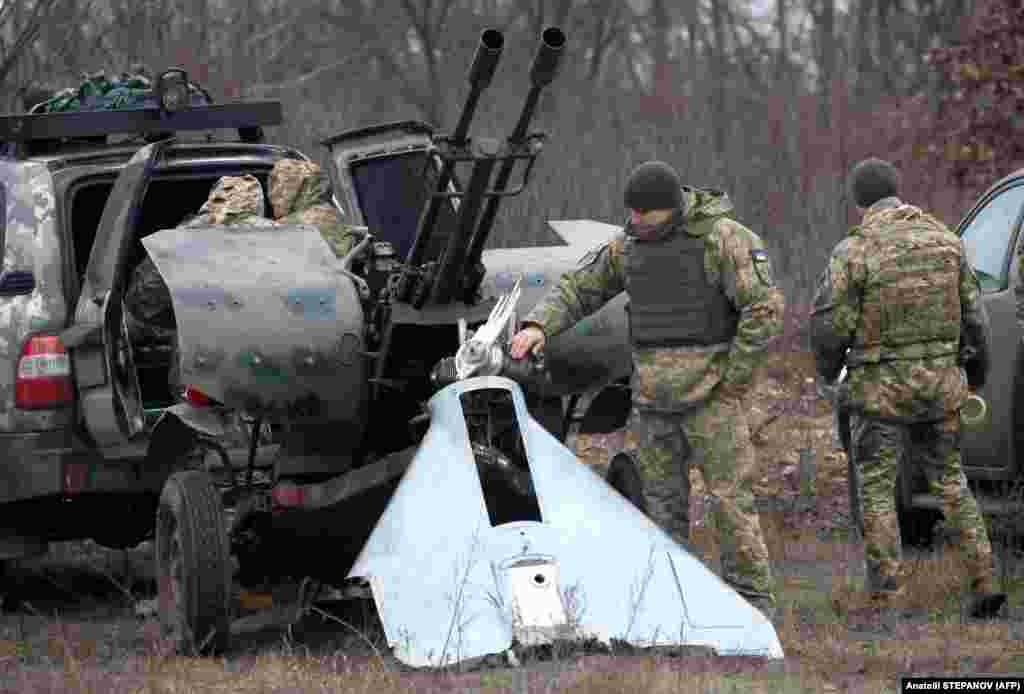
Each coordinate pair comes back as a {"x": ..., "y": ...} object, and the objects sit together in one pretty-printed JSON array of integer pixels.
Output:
[
  {"x": 715, "y": 438},
  {"x": 879, "y": 449}
]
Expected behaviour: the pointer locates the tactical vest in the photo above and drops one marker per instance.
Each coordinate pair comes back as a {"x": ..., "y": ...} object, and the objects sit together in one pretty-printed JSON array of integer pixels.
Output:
[
  {"x": 911, "y": 300},
  {"x": 671, "y": 302}
]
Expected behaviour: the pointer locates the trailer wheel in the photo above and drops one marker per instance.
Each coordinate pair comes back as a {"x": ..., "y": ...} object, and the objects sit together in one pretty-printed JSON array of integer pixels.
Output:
[{"x": 192, "y": 564}]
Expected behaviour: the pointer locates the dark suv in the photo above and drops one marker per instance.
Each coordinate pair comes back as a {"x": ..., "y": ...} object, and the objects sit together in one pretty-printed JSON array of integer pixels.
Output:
[{"x": 75, "y": 459}]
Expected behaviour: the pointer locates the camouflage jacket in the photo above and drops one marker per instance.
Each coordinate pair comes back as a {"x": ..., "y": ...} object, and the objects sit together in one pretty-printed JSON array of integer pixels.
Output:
[
  {"x": 300, "y": 195},
  {"x": 924, "y": 303},
  {"x": 691, "y": 373}
]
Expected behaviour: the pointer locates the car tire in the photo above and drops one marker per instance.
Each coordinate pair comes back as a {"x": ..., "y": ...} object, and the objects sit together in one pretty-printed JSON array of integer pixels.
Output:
[{"x": 193, "y": 565}]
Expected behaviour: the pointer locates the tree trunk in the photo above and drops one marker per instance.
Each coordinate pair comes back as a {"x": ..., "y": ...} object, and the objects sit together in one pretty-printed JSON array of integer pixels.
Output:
[
  {"x": 719, "y": 73},
  {"x": 885, "y": 52},
  {"x": 782, "y": 31},
  {"x": 865, "y": 62},
  {"x": 827, "y": 58}
]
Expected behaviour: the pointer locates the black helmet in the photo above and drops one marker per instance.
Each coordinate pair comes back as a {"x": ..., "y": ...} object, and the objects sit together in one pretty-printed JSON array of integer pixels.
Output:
[{"x": 654, "y": 185}]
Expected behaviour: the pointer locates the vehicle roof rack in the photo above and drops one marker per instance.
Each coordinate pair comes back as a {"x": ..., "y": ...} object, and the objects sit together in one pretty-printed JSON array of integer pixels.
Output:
[{"x": 247, "y": 117}]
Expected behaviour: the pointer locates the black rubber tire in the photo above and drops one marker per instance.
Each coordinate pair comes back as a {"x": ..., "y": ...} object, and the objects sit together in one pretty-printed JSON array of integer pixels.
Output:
[
  {"x": 193, "y": 565},
  {"x": 624, "y": 477}
]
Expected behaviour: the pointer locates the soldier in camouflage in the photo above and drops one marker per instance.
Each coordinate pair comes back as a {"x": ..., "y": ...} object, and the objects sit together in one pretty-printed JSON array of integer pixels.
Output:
[
  {"x": 703, "y": 307},
  {"x": 299, "y": 194},
  {"x": 899, "y": 306}
]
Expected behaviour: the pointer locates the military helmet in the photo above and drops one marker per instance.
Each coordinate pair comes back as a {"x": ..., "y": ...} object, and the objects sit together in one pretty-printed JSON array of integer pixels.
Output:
[
  {"x": 871, "y": 180},
  {"x": 654, "y": 185}
]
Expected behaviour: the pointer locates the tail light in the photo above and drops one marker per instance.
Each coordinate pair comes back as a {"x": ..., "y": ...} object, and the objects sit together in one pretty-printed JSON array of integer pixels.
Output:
[
  {"x": 198, "y": 397},
  {"x": 44, "y": 374},
  {"x": 287, "y": 495}
]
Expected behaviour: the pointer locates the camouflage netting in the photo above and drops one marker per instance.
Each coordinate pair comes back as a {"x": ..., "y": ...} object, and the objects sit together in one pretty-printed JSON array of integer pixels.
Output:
[{"x": 97, "y": 92}]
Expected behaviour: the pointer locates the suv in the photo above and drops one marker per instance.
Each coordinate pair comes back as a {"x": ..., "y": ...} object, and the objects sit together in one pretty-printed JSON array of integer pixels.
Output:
[{"x": 75, "y": 455}]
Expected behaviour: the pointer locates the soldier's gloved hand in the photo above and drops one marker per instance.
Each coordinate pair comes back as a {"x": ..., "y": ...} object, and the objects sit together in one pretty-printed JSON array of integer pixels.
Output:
[{"x": 529, "y": 339}]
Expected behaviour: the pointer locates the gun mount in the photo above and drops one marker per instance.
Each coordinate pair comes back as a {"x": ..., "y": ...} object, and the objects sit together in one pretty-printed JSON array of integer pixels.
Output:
[{"x": 456, "y": 273}]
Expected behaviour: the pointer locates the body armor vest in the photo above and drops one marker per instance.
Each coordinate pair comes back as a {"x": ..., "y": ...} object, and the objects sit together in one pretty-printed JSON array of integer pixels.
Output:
[
  {"x": 911, "y": 302},
  {"x": 671, "y": 302}
]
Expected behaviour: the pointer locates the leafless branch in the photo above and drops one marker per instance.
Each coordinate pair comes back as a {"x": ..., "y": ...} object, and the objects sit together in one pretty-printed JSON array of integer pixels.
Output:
[
  {"x": 309, "y": 76},
  {"x": 27, "y": 34}
]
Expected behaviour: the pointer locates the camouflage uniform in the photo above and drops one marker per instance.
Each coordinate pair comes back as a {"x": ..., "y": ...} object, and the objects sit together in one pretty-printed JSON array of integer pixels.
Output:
[
  {"x": 690, "y": 399},
  {"x": 899, "y": 295},
  {"x": 300, "y": 195}
]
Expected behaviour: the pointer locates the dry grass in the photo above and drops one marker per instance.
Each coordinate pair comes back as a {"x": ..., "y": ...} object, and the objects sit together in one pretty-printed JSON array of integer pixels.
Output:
[{"x": 822, "y": 630}]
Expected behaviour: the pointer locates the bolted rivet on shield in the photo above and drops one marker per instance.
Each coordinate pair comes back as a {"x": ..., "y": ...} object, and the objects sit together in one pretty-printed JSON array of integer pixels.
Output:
[
  {"x": 310, "y": 361},
  {"x": 256, "y": 361}
]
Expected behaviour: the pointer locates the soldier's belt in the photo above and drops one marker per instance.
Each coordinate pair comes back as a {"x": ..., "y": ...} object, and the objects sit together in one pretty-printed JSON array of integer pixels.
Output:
[{"x": 856, "y": 358}]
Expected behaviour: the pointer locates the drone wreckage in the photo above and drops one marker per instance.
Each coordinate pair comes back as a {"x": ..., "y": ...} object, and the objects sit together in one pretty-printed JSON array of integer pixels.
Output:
[{"x": 474, "y": 526}]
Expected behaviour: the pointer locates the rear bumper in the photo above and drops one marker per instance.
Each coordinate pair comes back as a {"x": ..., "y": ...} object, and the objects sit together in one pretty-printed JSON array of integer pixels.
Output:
[{"x": 54, "y": 463}]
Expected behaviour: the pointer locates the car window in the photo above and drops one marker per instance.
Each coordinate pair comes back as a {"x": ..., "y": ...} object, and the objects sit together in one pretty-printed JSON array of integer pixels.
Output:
[
  {"x": 392, "y": 192},
  {"x": 988, "y": 235}
]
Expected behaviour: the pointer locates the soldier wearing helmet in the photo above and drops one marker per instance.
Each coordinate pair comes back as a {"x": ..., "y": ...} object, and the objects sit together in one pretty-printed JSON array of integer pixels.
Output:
[
  {"x": 899, "y": 306},
  {"x": 703, "y": 306}
]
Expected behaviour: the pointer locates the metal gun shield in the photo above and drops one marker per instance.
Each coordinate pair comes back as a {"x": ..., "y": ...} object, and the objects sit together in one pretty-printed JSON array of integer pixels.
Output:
[{"x": 267, "y": 321}]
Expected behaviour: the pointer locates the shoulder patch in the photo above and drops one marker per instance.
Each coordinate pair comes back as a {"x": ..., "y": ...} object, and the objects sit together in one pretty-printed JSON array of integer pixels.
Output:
[{"x": 762, "y": 265}]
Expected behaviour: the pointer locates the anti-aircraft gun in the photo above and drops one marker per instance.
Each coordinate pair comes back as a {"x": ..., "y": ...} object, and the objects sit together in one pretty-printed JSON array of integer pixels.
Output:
[
  {"x": 456, "y": 273},
  {"x": 456, "y": 185}
]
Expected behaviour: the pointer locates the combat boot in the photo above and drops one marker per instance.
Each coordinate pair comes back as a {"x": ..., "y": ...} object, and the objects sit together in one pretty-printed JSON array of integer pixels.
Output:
[{"x": 983, "y": 605}]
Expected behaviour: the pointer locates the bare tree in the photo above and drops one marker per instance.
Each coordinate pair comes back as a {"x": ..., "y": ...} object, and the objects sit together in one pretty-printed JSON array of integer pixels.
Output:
[
  {"x": 823, "y": 13},
  {"x": 782, "y": 31},
  {"x": 20, "y": 25},
  {"x": 718, "y": 59}
]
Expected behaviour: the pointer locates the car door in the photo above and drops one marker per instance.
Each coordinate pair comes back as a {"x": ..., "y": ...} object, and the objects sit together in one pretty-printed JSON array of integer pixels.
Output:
[
  {"x": 990, "y": 234},
  {"x": 109, "y": 398}
]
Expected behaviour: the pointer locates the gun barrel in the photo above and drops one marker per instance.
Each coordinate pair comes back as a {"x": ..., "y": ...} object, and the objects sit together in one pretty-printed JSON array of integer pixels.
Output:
[
  {"x": 549, "y": 56},
  {"x": 542, "y": 72},
  {"x": 481, "y": 72},
  {"x": 486, "y": 59},
  {"x": 485, "y": 62}
]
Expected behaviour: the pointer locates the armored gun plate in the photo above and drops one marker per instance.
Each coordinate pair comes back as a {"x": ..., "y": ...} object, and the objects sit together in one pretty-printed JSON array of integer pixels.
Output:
[{"x": 266, "y": 319}]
